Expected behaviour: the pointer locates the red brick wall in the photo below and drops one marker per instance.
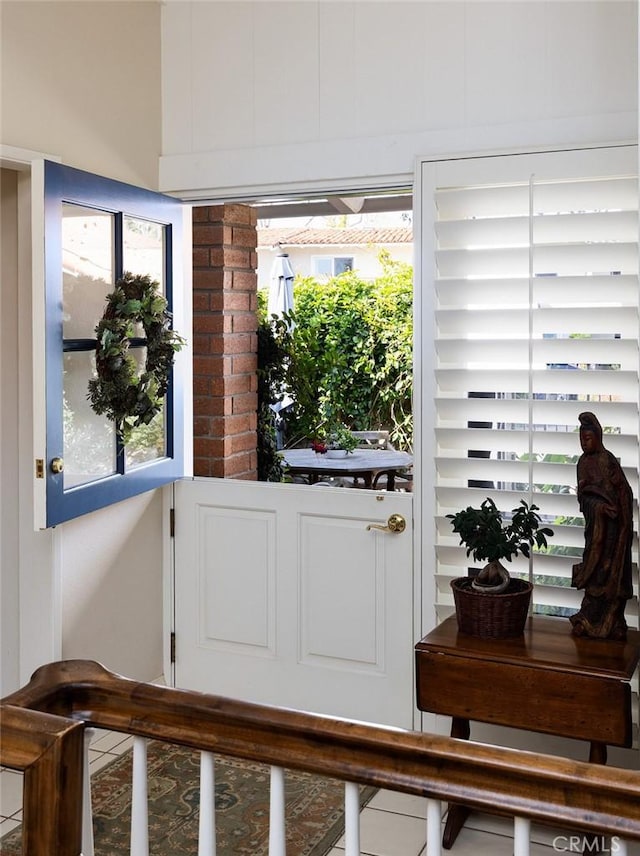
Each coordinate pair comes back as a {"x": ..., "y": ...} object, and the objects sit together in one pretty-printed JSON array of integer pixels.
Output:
[{"x": 224, "y": 341}]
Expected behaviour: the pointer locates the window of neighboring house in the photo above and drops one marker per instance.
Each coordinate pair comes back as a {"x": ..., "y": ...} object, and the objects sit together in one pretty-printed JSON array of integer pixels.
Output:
[
  {"x": 330, "y": 265},
  {"x": 536, "y": 303},
  {"x": 95, "y": 230}
]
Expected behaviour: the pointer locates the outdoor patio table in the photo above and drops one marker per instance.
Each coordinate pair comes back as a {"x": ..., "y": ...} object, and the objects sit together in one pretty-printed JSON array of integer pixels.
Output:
[{"x": 363, "y": 463}]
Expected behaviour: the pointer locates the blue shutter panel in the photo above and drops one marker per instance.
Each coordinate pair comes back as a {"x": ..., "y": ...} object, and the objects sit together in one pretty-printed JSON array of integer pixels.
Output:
[{"x": 95, "y": 229}]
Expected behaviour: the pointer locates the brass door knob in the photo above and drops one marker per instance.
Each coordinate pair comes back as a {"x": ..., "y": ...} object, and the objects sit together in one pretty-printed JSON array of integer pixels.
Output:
[
  {"x": 395, "y": 523},
  {"x": 57, "y": 465}
]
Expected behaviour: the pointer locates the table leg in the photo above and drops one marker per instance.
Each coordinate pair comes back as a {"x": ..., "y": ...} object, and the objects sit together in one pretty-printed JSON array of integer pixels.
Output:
[
  {"x": 598, "y": 753},
  {"x": 460, "y": 728},
  {"x": 456, "y": 813}
]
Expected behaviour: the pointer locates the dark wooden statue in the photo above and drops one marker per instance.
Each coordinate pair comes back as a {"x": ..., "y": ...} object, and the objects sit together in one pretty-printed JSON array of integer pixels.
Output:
[{"x": 606, "y": 502}]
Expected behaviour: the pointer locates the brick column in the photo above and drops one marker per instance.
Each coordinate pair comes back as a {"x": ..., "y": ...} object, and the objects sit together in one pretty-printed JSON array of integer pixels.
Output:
[{"x": 224, "y": 341}]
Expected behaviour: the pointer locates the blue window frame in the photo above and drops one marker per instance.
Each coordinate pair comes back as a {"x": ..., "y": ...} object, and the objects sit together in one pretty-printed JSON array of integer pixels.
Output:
[{"x": 96, "y": 229}]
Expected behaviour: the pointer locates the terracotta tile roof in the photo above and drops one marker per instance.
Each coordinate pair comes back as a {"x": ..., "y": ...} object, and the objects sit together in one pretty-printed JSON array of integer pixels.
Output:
[{"x": 333, "y": 237}]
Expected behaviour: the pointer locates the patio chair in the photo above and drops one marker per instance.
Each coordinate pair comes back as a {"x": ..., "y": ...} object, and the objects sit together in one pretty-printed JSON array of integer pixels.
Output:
[
  {"x": 373, "y": 439},
  {"x": 380, "y": 440},
  {"x": 403, "y": 480}
]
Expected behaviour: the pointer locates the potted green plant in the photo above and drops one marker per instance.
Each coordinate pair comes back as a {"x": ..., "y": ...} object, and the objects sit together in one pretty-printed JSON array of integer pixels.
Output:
[
  {"x": 492, "y": 603},
  {"x": 339, "y": 440}
]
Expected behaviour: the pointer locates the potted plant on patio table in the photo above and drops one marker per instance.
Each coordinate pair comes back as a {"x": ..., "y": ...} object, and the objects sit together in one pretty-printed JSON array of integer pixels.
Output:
[
  {"x": 492, "y": 604},
  {"x": 340, "y": 441}
]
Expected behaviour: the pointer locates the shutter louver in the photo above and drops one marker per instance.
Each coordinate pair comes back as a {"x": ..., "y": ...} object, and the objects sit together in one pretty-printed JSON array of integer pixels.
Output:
[{"x": 536, "y": 319}]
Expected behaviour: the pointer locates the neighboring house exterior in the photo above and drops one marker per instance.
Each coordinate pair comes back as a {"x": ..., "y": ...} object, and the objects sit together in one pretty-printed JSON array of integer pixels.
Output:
[
  {"x": 178, "y": 96},
  {"x": 322, "y": 253}
]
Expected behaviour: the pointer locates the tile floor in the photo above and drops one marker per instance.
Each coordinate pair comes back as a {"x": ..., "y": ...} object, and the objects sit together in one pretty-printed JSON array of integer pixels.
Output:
[{"x": 391, "y": 825}]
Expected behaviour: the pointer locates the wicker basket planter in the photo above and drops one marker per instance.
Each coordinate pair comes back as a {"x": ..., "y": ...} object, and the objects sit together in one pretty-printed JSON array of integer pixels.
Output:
[{"x": 492, "y": 616}]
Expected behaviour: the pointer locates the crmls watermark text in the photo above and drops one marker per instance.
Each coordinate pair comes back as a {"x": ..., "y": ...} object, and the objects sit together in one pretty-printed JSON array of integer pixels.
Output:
[{"x": 586, "y": 844}]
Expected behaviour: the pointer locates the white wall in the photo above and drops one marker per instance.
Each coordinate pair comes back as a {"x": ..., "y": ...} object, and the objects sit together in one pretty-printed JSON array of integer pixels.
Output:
[
  {"x": 261, "y": 96},
  {"x": 80, "y": 81},
  {"x": 112, "y": 599}
]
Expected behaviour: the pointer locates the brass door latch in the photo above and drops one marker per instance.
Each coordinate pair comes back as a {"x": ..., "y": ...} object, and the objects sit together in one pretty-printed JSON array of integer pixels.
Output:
[{"x": 395, "y": 523}]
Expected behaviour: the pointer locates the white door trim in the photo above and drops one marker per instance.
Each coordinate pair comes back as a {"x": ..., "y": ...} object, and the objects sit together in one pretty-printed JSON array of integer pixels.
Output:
[{"x": 39, "y": 552}]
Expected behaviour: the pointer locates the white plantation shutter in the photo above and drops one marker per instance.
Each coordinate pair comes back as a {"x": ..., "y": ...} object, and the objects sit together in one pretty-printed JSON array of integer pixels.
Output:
[{"x": 531, "y": 274}]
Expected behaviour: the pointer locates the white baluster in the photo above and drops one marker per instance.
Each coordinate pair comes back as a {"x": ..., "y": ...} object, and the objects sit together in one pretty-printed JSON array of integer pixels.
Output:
[
  {"x": 277, "y": 846},
  {"x": 207, "y": 824},
  {"x": 87, "y": 811},
  {"x": 434, "y": 828},
  {"x": 139, "y": 808},
  {"x": 521, "y": 836},
  {"x": 351, "y": 819}
]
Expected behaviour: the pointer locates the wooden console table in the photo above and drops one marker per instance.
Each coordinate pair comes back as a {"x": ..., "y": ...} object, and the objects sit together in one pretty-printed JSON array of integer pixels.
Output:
[{"x": 545, "y": 680}]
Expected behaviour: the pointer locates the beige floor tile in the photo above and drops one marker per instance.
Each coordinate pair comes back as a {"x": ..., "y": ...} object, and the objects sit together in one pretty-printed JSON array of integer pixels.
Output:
[
  {"x": 473, "y": 842},
  {"x": 98, "y": 760},
  {"x": 111, "y": 741},
  {"x": 399, "y": 803},
  {"x": 338, "y": 851},
  {"x": 384, "y": 833},
  {"x": 10, "y": 792},
  {"x": 7, "y": 825},
  {"x": 98, "y": 734}
]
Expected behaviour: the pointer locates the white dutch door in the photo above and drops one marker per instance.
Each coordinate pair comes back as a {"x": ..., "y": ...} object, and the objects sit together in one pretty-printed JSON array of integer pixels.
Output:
[{"x": 284, "y": 595}]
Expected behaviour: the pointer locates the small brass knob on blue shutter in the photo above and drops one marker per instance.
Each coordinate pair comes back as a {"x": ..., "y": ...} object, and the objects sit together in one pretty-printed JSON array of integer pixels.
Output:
[{"x": 56, "y": 466}]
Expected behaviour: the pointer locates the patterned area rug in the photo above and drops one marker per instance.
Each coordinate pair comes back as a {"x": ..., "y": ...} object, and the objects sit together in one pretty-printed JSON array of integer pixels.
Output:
[{"x": 314, "y": 807}]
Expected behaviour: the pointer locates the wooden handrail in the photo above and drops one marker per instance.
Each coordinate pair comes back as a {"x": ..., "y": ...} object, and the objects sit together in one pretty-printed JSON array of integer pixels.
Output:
[
  {"x": 49, "y": 750},
  {"x": 578, "y": 795}
]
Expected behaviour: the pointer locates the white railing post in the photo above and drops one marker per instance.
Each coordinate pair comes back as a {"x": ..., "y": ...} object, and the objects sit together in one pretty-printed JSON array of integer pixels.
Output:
[
  {"x": 351, "y": 819},
  {"x": 139, "y": 807},
  {"x": 434, "y": 828},
  {"x": 87, "y": 810},
  {"x": 277, "y": 838},
  {"x": 207, "y": 821},
  {"x": 521, "y": 836}
]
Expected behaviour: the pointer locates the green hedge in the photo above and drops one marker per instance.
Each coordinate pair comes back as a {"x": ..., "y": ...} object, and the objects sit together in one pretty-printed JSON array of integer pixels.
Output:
[{"x": 349, "y": 356}]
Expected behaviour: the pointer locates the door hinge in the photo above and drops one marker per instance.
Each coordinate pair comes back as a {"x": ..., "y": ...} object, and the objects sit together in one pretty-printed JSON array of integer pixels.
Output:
[
  {"x": 172, "y": 522},
  {"x": 172, "y": 651}
]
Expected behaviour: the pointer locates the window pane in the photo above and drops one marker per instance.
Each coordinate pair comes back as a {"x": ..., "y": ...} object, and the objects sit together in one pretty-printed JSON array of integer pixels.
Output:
[
  {"x": 143, "y": 249},
  {"x": 342, "y": 264},
  {"x": 89, "y": 439},
  {"x": 87, "y": 268},
  {"x": 148, "y": 442},
  {"x": 322, "y": 266}
]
